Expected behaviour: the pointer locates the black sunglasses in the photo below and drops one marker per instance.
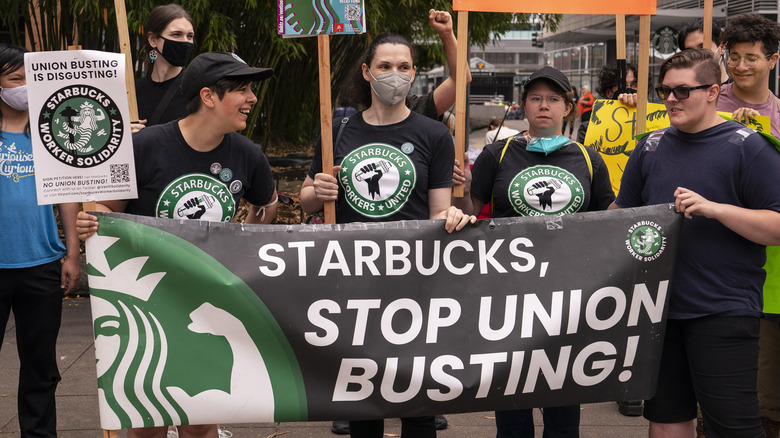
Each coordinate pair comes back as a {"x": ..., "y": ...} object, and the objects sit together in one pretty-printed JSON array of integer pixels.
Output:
[{"x": 680, "y": 93}]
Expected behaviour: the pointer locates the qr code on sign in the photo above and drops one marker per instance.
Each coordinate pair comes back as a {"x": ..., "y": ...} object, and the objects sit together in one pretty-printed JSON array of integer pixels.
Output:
[
  {"x": 352, "y": 12},
  {"x": 120, "y": 173}
]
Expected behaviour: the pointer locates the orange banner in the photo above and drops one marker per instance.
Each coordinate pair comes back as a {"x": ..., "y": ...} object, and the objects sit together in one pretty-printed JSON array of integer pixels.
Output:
[{"x": 631, "y": 7}]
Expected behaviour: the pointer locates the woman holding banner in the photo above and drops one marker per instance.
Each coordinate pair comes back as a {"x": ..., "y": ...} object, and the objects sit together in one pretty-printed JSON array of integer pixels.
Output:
[
  {"x": 32, "y": 277},
  {"x": 395, "y": 165},
  {"x": 169, "y": 36},
  {"x": 539, "y": 172}
]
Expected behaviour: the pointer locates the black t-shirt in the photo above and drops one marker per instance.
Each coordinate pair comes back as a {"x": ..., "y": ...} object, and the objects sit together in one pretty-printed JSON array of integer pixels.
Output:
[
  {"x": 176, "y": 181},
  {"x": 529, "y": 183},
  {"x": 149, "y": 93},
  {"x": 386, "y": 171},
  {"x": 717, "y": 271}
]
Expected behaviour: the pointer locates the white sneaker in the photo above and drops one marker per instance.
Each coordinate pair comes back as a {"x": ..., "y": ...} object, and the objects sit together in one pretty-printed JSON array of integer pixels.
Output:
[
  {"x": 172, "y": 433},
  {"x": 224, "y": 433}
]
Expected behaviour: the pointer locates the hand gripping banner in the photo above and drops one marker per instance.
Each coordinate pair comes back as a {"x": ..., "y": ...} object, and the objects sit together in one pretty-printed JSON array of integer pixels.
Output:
[{"x": 199, "y": 322}]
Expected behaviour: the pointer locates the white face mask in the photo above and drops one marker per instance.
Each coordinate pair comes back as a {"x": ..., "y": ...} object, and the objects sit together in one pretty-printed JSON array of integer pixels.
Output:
[
  {"x": 391, "y": 88},
  {"x": 15, "y": 97}
]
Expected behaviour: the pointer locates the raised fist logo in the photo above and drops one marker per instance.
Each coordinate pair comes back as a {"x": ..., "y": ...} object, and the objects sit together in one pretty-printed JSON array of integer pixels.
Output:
[
  {"x": 376, "y": 169},
  {"x": 544, "y": 191},
  {"x": 196, "y": 206}
]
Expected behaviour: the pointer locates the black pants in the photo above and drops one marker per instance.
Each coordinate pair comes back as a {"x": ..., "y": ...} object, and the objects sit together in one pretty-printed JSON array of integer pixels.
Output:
[
  {"x": 35, "y": 297},
  {"x": 413, "y": 427}
]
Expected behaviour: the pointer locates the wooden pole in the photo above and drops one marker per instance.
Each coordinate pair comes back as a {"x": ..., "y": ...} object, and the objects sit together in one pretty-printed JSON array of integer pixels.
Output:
[
  {"x": 124, "y": 47},
  {"x": 644, "y": 66},
  {"x": 460, "y": 94},
  {"x": 620, "y": 35},
  {"x": 707, "y": 23},
  {"x": 326, "y": 118}
]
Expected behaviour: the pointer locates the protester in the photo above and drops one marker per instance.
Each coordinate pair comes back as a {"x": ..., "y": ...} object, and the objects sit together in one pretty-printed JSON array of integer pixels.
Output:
[
  {"x": 575, "y": 98},
  {"x": 692, "y": 37},
  {"x": 433, "y": 105},
  {"x": 169, "y": 44},
  {"x": 752, "y": 42},
  {"x": 385, "y": 78},
  {"x": 720, "y": 174},
  {"x": 201, "y": 146},
  {"x": 585, "y": 104},
  {"x": 437, "y": 102},
  {"x": 608, "y": 88},
  {"x": 496, "y": 130},
  {"x": 541, "y": 150},
  {"x": 32, "y": 278},
  {"x": 751, "y": 46}
]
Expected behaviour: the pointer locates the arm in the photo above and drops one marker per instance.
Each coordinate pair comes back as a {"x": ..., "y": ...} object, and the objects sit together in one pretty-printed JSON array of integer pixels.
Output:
[
  {"x": 87, "y": 224},
  {"x": 759, "y": 226},
  {"x": 265, "y": 214},
  {"x": 439, "y": 208},
  {"x": 314, "y": 192},
  {"x": 70, "y": 268},
  {"x": 444, "y": 94}
]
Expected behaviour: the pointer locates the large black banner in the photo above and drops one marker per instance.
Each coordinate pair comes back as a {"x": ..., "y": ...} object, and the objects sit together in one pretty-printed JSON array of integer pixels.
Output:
[{"x": 199, "y": 322}]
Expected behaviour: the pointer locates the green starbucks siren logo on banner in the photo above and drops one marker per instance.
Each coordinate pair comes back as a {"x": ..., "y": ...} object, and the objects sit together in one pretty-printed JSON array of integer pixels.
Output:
[
  {"x": 377, "y": 179},
  {"x": 183, "y": 346},
  {"x": 81, "y": 126},
  {"x": 545, "y": 190},
  {"x": 645, "y": 241},
  {"x": 196, "y": 196}
]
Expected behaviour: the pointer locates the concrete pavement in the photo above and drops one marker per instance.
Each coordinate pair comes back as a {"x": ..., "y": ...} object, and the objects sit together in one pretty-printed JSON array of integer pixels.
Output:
[{"x": 77, "y": 408}]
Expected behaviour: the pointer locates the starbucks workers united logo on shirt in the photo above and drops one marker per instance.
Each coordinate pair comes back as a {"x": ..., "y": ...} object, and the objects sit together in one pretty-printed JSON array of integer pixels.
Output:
[
  {"x": 545, "y": 190},
  {"x": 378, "y": 179}
]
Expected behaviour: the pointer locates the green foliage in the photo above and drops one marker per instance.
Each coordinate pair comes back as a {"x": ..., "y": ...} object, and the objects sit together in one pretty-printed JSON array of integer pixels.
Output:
[{"x": 288, "y": 103}]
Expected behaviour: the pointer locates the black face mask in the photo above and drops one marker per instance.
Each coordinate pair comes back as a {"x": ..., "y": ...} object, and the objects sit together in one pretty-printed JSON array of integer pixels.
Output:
[{"x": 177, "y": 53}]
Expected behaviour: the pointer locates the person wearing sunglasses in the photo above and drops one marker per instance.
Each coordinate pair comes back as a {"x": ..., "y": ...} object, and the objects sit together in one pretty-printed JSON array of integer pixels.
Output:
[
  {"x": 722, "y": 176},
  {"x": 535, "y": 173},
  {"x": 751, "y": 43}
]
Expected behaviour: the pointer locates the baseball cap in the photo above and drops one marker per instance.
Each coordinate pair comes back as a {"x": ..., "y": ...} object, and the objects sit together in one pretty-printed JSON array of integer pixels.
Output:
[
  {"x": 207, "y": 68},
  {"x": 552, "y": 74}
]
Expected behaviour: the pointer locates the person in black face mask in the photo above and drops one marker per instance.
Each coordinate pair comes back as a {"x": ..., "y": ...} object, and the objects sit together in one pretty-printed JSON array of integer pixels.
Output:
[
  {"x": 169, "y": 36},
  {"x": 608, "y": 88}
]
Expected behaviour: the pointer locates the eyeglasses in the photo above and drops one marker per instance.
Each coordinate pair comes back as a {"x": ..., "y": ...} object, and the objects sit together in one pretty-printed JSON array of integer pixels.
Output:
[
  {"x": 680, "y": 93},
  {"x": 551, "y": 100},
  {"x": 750, "y": 61}
]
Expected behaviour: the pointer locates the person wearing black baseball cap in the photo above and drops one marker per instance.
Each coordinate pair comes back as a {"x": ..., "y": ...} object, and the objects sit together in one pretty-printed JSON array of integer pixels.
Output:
[
  {"x": 199, "y": 167},
  {"x": 539, "y": 172}
]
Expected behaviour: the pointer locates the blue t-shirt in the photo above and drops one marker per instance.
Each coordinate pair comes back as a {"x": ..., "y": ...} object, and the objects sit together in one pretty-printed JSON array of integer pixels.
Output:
[
  {"x": 29, "y": 234},
  {"x": 718, "y": 272}
]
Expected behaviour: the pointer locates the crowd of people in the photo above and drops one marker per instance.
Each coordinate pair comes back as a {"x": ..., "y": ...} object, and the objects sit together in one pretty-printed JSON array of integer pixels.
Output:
[{"x": 721, "y": 352}]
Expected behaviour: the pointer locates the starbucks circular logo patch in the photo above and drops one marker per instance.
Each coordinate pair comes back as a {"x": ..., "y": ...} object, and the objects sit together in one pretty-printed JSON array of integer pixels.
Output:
[
  {"x": 80, "y": 126},
  {"x": 196, "y": 196},
  {"x": 645, "y": 241},
  {"x": 377, "y": 179},
  {"x": 545, "y": 190}
]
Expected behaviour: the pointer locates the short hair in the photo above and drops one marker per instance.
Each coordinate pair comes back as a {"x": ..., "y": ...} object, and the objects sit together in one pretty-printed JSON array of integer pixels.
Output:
[
  {"x": 586, "y": 87},
  {"x": 693, "y": 26},
  {"x": 494, "y": 121},
  {"x": 568, "y": 96},
  {"x": 11, "y": 59},
  {"x": 608, "y": 77},
  {"x": 221, "y": 87},
  {"x": 704, "y": 65},
  {"x": 752, "y": 28}
]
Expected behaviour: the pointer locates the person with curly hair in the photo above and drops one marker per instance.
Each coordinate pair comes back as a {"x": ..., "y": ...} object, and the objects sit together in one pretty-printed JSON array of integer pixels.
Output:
[
  {"x": 608, "y": 89},
  {"x": 752, "y": 43}
]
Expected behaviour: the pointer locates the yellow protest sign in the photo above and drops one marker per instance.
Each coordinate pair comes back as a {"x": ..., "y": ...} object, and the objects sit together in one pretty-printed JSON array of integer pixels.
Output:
[{"x": 612, "y": 129}]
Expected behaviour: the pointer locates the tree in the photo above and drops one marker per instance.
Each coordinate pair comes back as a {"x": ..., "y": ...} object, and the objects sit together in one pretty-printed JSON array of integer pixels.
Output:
[{"x": 288, "y": 104}]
